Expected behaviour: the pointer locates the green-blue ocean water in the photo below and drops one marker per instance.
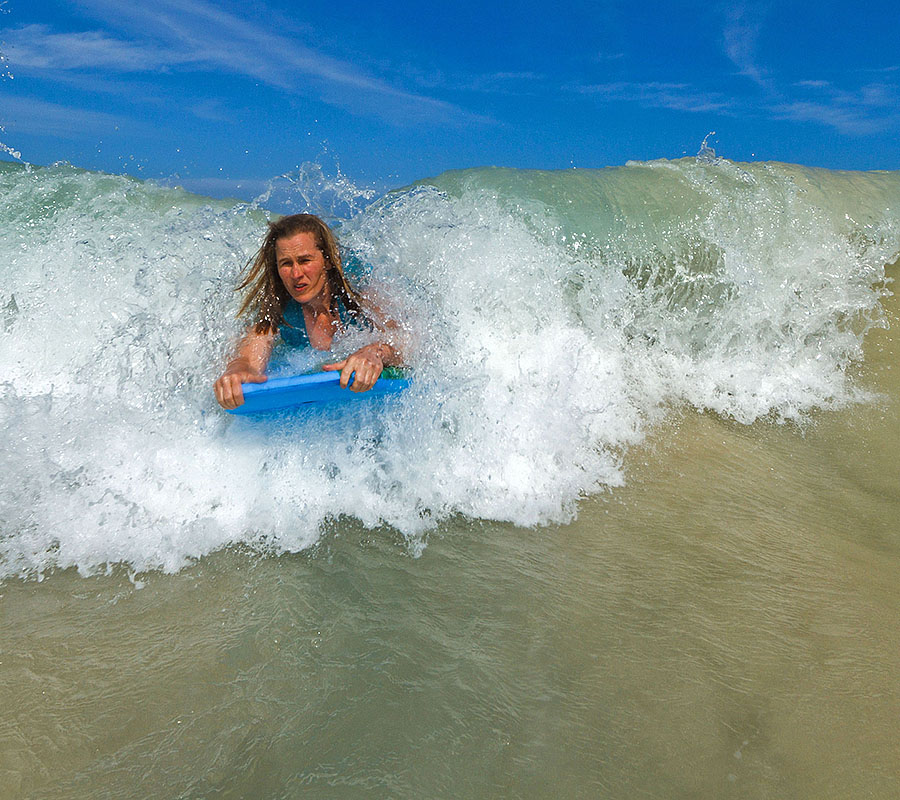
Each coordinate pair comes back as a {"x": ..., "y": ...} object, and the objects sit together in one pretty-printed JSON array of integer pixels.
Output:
[{"x": 634, "y": 535}]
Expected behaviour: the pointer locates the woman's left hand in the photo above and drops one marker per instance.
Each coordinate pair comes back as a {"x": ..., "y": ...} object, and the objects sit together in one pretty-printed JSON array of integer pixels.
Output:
[{"x": 366, "y": 362}]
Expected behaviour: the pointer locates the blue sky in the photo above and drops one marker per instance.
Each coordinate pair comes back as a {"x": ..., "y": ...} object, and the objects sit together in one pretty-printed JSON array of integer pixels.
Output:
[{"x": 220, "y": 96}]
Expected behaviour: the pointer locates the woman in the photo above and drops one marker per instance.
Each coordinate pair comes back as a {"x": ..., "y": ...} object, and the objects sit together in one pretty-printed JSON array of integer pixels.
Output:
[{"x": 297, "y": 287}]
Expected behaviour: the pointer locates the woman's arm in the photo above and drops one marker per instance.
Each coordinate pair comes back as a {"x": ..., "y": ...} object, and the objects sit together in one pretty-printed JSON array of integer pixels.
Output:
[{"x": 248, "y": 366}]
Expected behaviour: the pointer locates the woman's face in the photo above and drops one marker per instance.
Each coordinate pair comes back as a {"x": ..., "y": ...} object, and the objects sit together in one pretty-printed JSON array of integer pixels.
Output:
[{"x": 301, "y": 266}]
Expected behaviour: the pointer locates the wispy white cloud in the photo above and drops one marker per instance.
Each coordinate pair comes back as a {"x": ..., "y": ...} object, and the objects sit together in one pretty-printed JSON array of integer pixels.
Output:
[
  {"x": 37, "y": 47},
  {"x": 868, "y": 109},
  {"x": 40, "y": 118},
  {"x": 865, "y": 110},
  {"x": 860, "y": 111},
  {"x": 656, "y": 94},
  {"x": 845, "y": 120},
  {"x": 212, "y": 109},
  {"x": 500, "y": 83},
  {"x": 177, "y": 35},
  {"x": 743, "y": 24}
]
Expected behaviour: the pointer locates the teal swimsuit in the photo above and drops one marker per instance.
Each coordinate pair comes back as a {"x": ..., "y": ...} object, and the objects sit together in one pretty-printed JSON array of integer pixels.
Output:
[{"x": 294, "y": 333}]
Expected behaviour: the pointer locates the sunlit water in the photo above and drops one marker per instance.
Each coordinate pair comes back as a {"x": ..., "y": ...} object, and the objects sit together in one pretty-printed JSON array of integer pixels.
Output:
[{"x": 708, "y": 608}]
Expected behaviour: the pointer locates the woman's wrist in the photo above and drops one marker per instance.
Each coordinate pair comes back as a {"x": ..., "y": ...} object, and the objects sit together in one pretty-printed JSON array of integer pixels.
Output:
[
  {"x": 237, "y": 365},
  {"x": 375, "y": 349},
  {"x": 241, "y": 366},
  {"x": 385, "y": 352}
]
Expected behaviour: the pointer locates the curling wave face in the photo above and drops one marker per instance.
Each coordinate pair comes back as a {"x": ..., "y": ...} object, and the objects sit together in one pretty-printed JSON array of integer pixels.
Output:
[{"x": 559, "y": 315}]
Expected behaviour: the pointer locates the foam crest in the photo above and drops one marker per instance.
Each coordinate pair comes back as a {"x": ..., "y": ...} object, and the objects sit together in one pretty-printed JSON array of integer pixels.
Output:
[{"x": 557, "y": 315}]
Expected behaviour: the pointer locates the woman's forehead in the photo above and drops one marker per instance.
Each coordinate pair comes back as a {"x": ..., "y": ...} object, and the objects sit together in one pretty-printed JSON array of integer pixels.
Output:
[{"x": 297, "y": 243}]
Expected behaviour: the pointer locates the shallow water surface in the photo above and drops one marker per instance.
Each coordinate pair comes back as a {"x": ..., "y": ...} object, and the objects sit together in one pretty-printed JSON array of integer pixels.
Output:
[{"x": 725, "y": 625}]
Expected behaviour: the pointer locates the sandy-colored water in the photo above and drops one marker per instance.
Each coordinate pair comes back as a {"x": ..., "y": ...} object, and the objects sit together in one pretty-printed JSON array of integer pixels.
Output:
[{"x": 727, "y": 625}]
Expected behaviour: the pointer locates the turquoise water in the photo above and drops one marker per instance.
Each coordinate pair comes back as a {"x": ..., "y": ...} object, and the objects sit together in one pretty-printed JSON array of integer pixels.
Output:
[{"x": 647, "y": 548}]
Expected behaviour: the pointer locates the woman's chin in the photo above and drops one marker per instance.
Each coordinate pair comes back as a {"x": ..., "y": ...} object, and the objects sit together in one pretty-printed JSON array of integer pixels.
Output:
[{"x": 307, "y": 295}]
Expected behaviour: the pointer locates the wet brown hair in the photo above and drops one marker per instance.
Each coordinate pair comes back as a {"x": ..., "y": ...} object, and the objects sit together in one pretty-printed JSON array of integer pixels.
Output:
[{"x": 267, "y": 296}]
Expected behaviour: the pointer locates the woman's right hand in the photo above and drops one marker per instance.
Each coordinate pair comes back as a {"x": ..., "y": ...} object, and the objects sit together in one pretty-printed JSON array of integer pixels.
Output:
[
  {"x": 228, "y": 388},
  {"x": 247, "y": 366}
]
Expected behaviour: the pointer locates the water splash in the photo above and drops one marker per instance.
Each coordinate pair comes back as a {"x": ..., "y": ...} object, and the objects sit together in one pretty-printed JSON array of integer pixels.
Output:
[
  {"x": 311, "y": 189},
  {"x": 706, "y": 155},
  {"x": 559, "y": 315}
]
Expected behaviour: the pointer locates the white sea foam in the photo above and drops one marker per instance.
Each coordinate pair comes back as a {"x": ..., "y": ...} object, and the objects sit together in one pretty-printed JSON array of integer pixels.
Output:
[{"x": 558, "y": 315}]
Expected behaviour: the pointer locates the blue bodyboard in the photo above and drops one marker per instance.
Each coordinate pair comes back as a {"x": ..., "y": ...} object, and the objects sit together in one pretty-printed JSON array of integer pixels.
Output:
[{"x": 301, "y": 390}]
